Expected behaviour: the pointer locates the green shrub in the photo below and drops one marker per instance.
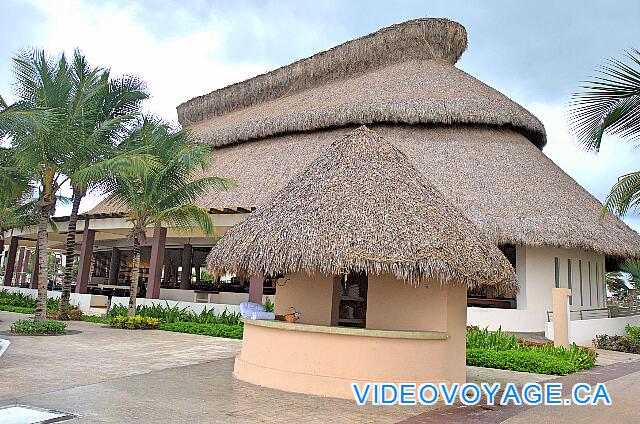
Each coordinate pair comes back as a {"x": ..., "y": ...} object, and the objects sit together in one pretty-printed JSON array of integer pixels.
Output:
[
  {"x": 633, "y": 332},
  {"x": 216, "y": 330},
  {"x": 135, "y": 322},
  {"x": 93, "y": 318},
  {"x": 483, "y": 339},
  {"x": 16, "y": 299},
  {"x": 520, "y": 360},
  {"x": 168, "y": 314},
  {"x": 17, "y": 309},
  {"x": 38, "y": 328}
]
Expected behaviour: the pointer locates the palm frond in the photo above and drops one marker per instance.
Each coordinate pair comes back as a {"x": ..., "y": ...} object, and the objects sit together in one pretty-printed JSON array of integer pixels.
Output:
[
  {"x": 610, "y": 103},
  {"x": 624, "y": 195}
]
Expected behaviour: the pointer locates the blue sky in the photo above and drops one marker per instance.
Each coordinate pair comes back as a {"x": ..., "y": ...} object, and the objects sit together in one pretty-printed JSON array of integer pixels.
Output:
[{"x": 534, "y": 52}]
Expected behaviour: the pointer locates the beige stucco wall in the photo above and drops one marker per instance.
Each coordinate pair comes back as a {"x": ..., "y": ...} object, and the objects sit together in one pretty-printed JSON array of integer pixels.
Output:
[
  {"x": 312, "y": 295},
  {"x": 325, "y": 364}
]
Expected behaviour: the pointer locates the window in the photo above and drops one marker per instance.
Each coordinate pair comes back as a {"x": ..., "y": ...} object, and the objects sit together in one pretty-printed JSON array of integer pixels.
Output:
[
  {"x": 590, "y": 288},
  {"x": 557, "y": 272},
  {"x": 597, "y": 285},
  {"x": 569, "y": 282},
  {"x": 580, "y": 272}
]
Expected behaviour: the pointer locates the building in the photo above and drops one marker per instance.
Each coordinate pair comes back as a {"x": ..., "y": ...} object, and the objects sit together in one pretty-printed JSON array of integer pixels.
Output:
[
  {"x": 379, "y": 281},
  {"x": 479, "y": 148}
]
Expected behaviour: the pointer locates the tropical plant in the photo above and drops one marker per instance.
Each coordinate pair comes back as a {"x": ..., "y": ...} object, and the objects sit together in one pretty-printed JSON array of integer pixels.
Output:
[
  {"x": 38, "y": 328},
  {"x": 610, "y": 103},
  {"x": 42, "y": 146},
  {"x": 165, "y": 195},
  {"x": 105, "y": 106}
]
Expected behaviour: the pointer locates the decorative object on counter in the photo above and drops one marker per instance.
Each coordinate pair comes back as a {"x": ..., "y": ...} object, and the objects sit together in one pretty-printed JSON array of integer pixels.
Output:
[{"x": 293, "y": 315}]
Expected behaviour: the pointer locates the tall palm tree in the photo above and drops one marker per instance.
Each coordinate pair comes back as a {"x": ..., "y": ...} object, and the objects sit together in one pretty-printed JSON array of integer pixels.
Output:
[
  {"x": 102, "y": 107},
  {"x": 43, "y": 84},
  {"x": 611, "y": 104},
  {"x": 164, "y": 195}
]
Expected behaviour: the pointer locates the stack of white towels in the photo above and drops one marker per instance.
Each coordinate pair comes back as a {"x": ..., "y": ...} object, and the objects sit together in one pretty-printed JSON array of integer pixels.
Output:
[{"x": 251, "y": 310}]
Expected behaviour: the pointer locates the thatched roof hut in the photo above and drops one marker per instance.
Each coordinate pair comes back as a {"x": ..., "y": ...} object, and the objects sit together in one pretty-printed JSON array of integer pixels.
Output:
[
  {"x": 477, "y": 146},
  {"x": 362, "y": 206}
]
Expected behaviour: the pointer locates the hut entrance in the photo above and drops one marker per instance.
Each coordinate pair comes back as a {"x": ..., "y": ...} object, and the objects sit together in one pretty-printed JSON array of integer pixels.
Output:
[
  {"x": 353, "y": 300},
  {"x": 485, "y": 297}
]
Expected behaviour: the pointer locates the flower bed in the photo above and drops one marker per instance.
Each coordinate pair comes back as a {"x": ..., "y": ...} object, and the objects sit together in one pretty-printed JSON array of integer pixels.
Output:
[
  {"x": 629, "y": 343},
  {"x": 135, "y": 322},
  {"x": 38, "y": 328}
]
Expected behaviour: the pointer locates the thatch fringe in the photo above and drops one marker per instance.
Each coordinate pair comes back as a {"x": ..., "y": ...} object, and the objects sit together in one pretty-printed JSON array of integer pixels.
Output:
[
  {"x": 423, "y": 39},
  {"x": 362, "y": 206}
]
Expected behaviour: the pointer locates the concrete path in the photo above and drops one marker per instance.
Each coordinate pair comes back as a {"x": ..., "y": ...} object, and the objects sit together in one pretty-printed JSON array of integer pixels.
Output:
[
  {"x": 619, "y": 371},
  {"x": 106, "y": 375}
]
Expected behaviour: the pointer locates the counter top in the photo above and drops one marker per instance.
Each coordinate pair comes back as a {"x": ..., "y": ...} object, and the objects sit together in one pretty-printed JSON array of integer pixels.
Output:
[{"x": 349, "y": 331}]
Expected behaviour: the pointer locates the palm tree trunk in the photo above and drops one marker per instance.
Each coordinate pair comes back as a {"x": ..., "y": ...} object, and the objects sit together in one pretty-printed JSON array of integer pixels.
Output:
[
  {"x": 135, "y": 272},
  {"x": 70, "y": 253},
  {"x": 43, "y": 271}
]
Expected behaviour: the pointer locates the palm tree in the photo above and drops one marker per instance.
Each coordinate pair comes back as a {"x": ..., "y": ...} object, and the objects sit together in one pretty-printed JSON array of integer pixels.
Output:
[
  {"x": 103, "y": 107},
  {"x": 611, "y": 104},
  {"x": 42, "y": 84},
  {"x": 162, "y": 196}
]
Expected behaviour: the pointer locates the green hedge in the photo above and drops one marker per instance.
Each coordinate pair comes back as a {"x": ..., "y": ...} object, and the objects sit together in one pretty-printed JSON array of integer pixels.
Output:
[
  {"x": 520, "y": 360},
  {"x": 95, "y": 319},
  {"x": 215, "y": 330},
  {"x": 17, "y": 309},
  {"x": 38, "y": 327},
  {"x": 135, "y": 322}
]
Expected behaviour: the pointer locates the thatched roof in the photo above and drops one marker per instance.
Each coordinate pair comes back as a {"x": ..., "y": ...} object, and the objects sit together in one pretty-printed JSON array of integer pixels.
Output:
[
  {"x": 401, "y": 74},
  {"x": 362, "y": 206}
]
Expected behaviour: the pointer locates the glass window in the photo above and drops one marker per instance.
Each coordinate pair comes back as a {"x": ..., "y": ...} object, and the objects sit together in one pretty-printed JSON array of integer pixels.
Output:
[
  {"x": 557, "y": 261},
  {"x": 590, "y": 287},
  {"x": 580, "y": 272},
  {"x": 569, "y": 282}
]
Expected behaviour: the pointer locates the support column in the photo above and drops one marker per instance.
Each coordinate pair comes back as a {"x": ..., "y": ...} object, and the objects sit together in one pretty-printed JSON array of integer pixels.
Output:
[
  {"x": 561, "y": 317},
  {"x": 11, "y": 261},
  {"x": 185, "y": 277},
  {"x": 157, "y": 262},
  {"x": 25, "y": 266},
  {"x": 35, "y": 271},
  {"x": 114, "y": 266},
  {"x": 255, "y": 289},
  {"x": 20, "y": 267},
  {"x": 86, "y": 251}
]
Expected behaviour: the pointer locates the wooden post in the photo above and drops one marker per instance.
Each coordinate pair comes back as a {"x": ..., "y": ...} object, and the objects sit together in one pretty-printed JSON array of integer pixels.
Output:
[
  {"x": 11, "y": 261},
  {"x": 185, "y": 277},
  {"x": 255, "y": 289},
  {"x": 86, "y": 252},
  {"x": 114, "y": 266},
  {"x": 35, "y": 271},
  {"x": 157, "y": 262}
]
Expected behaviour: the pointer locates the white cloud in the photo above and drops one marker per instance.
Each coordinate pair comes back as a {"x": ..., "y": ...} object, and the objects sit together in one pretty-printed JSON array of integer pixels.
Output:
[
  {"x": 192, "y": 57},
  {"x": 175, "y": 68}
]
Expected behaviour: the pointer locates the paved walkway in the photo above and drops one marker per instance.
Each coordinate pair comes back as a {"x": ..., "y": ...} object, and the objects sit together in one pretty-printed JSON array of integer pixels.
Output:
[{"x": 106, "y": 375}]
